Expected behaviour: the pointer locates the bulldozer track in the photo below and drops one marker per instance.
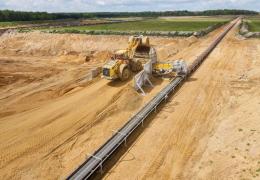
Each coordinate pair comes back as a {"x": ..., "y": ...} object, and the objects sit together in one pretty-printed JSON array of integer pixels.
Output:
[{"x": 96, "y": 161}]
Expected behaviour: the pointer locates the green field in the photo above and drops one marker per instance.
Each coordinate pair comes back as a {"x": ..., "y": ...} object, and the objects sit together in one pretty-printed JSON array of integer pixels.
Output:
[
  {"x": 16, "y": 23},
  {"x": 254, "y": 26},
  {"x": 152, "y": 25},
  {"x": 9, "y": 24},
  {"x": 198, "y": 18}
]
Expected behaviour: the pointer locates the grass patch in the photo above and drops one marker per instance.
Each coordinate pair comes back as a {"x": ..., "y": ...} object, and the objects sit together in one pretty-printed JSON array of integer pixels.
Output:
[
  {"x": 16, "y": 23},
  {"x": 150, "y": 25},
  {"x": 254, "y": 25},
  {"x": 8, "y": 24},
  {"x": 197, "y": 18}
]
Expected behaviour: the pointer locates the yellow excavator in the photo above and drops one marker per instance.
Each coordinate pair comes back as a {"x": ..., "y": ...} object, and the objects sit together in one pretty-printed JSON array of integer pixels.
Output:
[{"x": 123, "y": 62}]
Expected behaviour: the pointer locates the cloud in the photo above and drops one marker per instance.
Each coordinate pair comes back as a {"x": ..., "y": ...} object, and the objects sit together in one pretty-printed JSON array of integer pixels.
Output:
[{"x": 125, "y": 5}]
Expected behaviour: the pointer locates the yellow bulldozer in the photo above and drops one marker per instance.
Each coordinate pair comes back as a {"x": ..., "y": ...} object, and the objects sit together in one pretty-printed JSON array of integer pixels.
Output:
[{"x": 123, "y": 62}]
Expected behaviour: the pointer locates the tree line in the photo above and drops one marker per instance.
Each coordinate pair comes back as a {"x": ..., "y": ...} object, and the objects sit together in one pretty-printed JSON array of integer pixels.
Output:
[{"x": 9, "y": 15}]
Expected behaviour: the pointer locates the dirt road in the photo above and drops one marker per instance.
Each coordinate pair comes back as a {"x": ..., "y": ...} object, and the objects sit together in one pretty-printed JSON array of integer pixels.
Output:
[
  {"x": 50, "y": 118},
  {"x": 210, "y": 129}
]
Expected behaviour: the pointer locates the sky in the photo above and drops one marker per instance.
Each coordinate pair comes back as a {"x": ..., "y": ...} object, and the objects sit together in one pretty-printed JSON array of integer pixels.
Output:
[{"x": 126, "y": 5}]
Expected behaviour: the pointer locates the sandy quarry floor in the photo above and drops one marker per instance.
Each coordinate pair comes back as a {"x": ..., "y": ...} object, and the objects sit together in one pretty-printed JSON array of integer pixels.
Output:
[
  {"x": 45, "y": 66},
  {"x": 211, "y": 128},
  {"x": 51, "y": 117}
]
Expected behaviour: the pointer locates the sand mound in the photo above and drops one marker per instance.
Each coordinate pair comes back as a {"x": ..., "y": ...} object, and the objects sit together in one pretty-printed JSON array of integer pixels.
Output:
[
  {"x": 43, "y": 44},
  {"x": 80, "y": 48}
]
